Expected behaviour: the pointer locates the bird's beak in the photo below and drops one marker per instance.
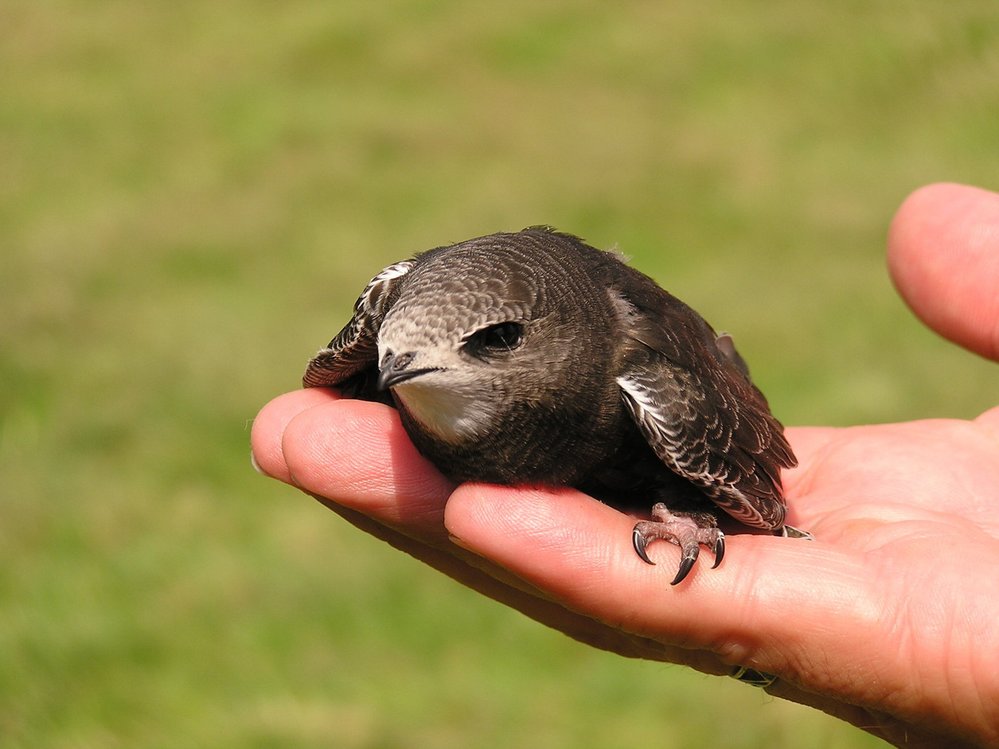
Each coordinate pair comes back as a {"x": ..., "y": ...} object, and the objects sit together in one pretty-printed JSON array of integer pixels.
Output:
[{"x": 395, "y": 369}]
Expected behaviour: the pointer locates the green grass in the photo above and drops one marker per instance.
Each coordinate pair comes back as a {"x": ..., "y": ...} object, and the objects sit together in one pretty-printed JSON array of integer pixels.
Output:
[{"x": 191, "y": 196}]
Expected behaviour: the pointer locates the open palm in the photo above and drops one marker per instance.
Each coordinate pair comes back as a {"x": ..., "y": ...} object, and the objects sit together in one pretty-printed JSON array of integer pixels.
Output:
[{"x": 889, "y": 619}]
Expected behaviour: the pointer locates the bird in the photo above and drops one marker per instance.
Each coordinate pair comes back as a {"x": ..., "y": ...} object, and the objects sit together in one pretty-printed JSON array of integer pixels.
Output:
[{"x": 531, "y": 358}]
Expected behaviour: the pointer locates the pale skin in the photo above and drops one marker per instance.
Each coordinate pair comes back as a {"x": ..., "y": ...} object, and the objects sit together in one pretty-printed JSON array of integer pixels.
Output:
[{"x": 889, "y": 619}]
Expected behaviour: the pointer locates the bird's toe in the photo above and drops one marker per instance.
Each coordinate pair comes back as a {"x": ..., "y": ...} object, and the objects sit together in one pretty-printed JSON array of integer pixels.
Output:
[{"x": 688, "y": 532}]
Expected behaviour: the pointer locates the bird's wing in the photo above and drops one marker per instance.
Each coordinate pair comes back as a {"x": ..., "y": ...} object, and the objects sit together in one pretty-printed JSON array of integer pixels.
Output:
[
  {"x": 690, "y": 395},
  {"x": 354, "y": 350}
]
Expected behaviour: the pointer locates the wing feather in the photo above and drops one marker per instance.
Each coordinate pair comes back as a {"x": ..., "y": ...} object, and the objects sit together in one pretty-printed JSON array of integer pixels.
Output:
[
  {"x": 353, "y": 352},
  {"x": 690, "y": 395}
]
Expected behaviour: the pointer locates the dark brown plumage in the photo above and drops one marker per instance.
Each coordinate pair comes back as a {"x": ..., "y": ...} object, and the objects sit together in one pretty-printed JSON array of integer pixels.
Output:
[{"x": 533, "y": 358}]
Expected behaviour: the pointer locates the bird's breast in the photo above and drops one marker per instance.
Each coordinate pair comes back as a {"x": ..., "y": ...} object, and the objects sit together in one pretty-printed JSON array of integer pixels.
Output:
[{"x": 475, "y": 439}]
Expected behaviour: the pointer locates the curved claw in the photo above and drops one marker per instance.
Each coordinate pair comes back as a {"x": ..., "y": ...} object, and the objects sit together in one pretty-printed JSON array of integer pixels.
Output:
[
  {"x": 639, "y": 541},
  {"x": 686, "y": 564},
  {"x": 682, "y": 530},
  {"x": 719, "y": 550}
]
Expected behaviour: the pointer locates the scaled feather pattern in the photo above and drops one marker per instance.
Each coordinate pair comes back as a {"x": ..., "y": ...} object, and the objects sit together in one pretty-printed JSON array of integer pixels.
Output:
[{"x": 532, "y": 358}]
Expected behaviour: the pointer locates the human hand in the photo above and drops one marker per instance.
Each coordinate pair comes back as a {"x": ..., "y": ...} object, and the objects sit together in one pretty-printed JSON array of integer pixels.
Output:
[{"x": 888, "y": 620}]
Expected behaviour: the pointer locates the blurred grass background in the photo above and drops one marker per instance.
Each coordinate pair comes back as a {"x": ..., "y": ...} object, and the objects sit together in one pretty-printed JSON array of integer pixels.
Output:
[{"x": 191, "y": 196}]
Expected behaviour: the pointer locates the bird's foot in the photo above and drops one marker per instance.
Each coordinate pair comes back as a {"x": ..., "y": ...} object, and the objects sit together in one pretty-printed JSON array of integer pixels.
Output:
[{"x": 688, "y": 530}]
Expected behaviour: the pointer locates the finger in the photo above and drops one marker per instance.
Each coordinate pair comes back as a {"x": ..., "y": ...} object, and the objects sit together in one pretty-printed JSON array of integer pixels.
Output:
[
  {"x": 943, "y": 255},
  {"x": 350, "y": 450},
  {"x": 270, "y": 424},
  {"x": 877, "y": 723},
  {"x": 358, "y": 429},
  {"x": 357, "y": 454},
  {"x": 498, "y": 584},
  {"x": 753, "y": 610}
]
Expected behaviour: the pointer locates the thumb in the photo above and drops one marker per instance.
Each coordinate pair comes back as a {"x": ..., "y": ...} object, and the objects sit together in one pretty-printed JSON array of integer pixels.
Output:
[{"x": 943, "y": 256}]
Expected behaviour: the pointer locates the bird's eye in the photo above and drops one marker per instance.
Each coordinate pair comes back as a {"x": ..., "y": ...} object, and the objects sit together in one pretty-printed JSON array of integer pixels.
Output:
[{"x": 495, "y": 339}]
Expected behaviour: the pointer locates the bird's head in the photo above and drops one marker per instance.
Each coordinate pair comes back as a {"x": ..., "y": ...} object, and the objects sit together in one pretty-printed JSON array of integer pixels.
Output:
[{"x": 481, "y": 332}]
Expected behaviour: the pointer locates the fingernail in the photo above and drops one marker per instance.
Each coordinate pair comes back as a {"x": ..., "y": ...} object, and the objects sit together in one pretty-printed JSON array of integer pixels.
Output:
[{"x": 256, "y": 466}]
